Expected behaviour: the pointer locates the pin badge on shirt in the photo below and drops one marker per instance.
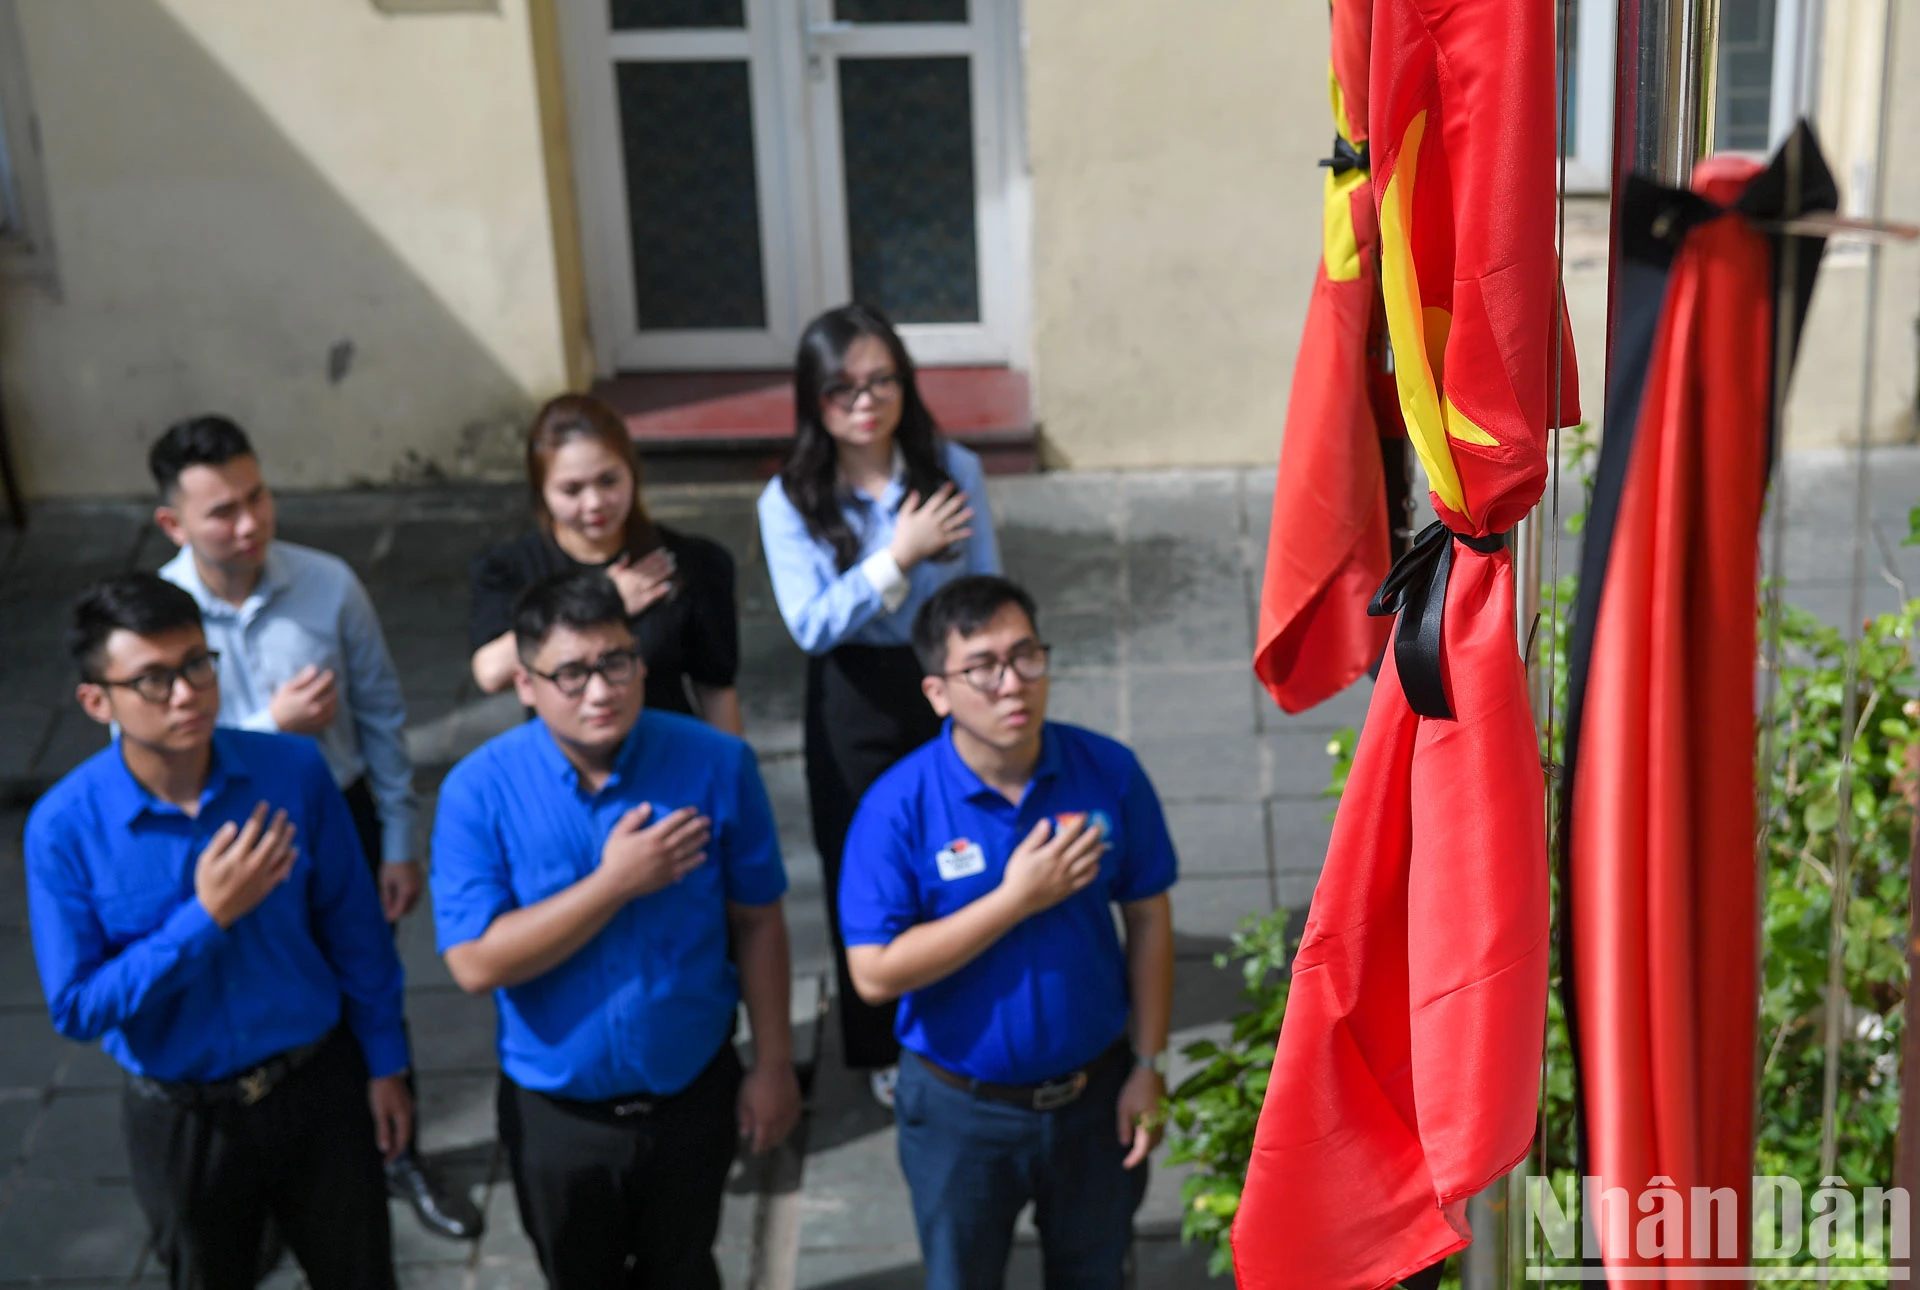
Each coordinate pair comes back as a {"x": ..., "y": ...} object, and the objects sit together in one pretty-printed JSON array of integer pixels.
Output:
[
  {"x": 960, "y": 859},
  {"x": 1096, "y": 821}
]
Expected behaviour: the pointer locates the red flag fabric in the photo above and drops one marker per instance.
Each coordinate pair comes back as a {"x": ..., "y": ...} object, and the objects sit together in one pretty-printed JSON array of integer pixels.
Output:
[
  {"x": 1330, "y": 542},
  {"x": 1407, "y": 1066},
  {"x": 1661, "y": 713}
]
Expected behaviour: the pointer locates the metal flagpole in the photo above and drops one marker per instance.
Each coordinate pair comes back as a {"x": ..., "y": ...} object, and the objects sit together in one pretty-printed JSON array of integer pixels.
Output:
[{"x": 1666, "y": 60}]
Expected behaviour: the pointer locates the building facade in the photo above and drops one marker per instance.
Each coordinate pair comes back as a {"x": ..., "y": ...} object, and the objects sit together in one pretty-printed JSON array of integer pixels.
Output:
[{"x": 378, "y": 232}]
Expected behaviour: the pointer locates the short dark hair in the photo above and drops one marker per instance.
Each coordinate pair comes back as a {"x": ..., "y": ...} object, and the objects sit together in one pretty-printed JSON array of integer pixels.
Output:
[
  {"x": 142, "y": 603},
  {"x": 208, "y": 440},
  {"x": 579, "y": 599},
  {"x": 964, "y": 605}
]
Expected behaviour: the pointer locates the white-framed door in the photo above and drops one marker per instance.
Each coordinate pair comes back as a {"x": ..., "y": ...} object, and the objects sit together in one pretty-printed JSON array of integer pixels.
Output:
[
  {"x": 743, "y": 164},
  {"x": 687, "y": 196},
  {"x": 910, "y": 139}
]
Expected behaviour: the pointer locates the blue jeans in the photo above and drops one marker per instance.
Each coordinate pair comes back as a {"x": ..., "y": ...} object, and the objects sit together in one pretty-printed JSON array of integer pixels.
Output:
[{"x": 972, "y": 1165}]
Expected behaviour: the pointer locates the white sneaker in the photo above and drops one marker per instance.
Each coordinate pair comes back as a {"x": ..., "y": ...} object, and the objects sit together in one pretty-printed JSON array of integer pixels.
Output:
[{"x": 882, "y": 1082}]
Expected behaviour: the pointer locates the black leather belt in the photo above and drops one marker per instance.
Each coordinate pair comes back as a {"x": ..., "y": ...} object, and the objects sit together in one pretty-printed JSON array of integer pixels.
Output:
[
  {"x": 627, "y": 1107},
  {"x": 246, "y": 1088},
  {"x": 612, "y": 1110},
  {"x": 1049, "y": 1096}
]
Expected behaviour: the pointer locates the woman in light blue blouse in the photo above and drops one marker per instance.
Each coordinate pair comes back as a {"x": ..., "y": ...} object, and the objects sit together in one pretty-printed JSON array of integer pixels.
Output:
[{"x": 873, "y": 512}]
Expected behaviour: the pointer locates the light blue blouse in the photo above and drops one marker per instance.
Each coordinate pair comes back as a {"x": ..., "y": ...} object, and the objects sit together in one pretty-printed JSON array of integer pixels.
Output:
[{"x": 824, "y": 607}]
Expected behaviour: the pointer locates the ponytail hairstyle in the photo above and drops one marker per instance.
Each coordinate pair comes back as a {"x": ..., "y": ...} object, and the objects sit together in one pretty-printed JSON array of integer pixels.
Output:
[
  {"x": 811, "y": 475},
  {"x": 581, "y": 416}
]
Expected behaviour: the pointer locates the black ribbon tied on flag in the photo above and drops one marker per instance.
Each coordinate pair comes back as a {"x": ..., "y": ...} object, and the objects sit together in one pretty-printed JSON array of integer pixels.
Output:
[
  {"x": 1416, "y": 589},
  {"x": 1346, "y": 157}
]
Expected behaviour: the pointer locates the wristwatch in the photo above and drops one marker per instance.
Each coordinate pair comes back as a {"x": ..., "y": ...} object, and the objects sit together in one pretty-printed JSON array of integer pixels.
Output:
[{"x": 1155, "y": 1062}]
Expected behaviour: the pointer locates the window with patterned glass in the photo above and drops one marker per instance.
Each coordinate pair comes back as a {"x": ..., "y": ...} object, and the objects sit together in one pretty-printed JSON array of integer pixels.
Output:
[{"x": 1743, "y": 115}]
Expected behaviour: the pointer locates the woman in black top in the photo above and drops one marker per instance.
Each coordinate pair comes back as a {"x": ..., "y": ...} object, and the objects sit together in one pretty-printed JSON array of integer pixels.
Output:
[{"x": 585, "y": 480}]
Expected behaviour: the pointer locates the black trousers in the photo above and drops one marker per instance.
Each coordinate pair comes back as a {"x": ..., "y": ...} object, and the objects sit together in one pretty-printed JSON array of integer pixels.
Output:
[
  {"x": 366, "y": 823},
  {"x": 209, "y": 1178},
  {"x": 625, "y": 1193},
  {"x": 865, "y": 712}
]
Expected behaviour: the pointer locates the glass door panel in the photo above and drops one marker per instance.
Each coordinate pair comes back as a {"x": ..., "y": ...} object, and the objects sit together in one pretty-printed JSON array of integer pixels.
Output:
[
  {"x": 900, "y": 10},
  {"x": 669, "y": 15},
  {"x": 906, "y": 137},
  {"x": 693, "y": 204},
  {"x": 681, "y": 159},
  {"x": 911, "y": 168}
]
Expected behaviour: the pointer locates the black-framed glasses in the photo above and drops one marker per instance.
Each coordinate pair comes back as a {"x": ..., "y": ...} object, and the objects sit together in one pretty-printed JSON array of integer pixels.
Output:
[
  {"x": 844, "y": 395},
  {"x": 1028, "y": 662},
  {"x": 155, "y": 685},
  {"x": 616, "y": 667}
]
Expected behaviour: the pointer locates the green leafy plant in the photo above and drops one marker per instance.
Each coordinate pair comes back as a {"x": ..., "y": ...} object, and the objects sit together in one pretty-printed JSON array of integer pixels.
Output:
[
  {"x": 1801, "y": 863},
  {"x": 1211, "y": 1116}
]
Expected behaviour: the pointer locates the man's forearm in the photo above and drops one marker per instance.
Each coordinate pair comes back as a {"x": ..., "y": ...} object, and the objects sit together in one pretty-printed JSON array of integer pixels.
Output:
[
  {"x": 525, "y": 943},
  {"x": 390, "y": 779},
  {"x": 766, "y": 983},
  {"x": 1150, "y": 971},
  {"x": 113, "y": 991},
  {"x": 931, "y": 952}
]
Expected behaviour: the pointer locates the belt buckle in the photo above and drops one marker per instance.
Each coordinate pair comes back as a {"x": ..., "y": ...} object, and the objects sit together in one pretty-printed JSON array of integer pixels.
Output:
[
  {"x": 254, "y": 1085},
  {"x": 633, "y": 1106},
  {"x": 1060, "y": 1092}
]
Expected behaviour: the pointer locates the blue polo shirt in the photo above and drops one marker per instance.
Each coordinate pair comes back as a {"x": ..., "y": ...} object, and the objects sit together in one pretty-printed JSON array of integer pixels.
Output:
[
  {"x": 128, "y": 954},
  {"x": 1052, "y": 994},
  {"x": 645, "y": 1004}
]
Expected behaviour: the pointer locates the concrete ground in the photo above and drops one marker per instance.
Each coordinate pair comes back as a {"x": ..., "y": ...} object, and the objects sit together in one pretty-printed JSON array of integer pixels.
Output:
[{"x": 1148, "y": 585}]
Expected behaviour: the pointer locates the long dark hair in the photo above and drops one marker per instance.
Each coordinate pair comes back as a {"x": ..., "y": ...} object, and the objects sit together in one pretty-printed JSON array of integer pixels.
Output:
[
  {"x": 581, "y": 416},
  {"x": 811, "y": 475}
]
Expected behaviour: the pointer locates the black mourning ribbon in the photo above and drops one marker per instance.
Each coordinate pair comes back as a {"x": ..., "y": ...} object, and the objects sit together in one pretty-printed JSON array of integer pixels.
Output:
[
  {"x": 1346, "y": 157},
  {"x": 1416, "y": 589}
]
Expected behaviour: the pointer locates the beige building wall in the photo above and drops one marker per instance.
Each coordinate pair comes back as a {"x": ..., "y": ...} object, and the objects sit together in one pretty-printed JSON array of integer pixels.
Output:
[
  {"x": 1176, "y": 223},
  {"x": 330, "y": 222},
  {"x": 1825, "y": 406}
]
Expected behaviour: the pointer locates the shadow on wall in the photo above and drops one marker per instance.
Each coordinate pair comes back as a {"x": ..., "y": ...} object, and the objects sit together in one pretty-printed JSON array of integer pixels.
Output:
[{"x": 206, "y": 263}]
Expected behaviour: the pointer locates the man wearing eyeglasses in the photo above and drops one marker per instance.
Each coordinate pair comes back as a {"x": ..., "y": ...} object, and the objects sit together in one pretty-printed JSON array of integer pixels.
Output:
[
  {"x": 979, "y": 884},
  {"x": 199, "y": 905},
  {"x": 300, "y": 653},
  {"x": 612, "y": 875}
]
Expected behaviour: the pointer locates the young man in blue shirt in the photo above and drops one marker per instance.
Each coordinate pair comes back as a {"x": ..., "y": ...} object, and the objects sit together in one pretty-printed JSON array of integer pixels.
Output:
[
  {"x": 199, "y": 905},
  {"x": 980, "y": 879},
  {"x": 613, "y": 876},
  {"x": 301, "y": 653}
]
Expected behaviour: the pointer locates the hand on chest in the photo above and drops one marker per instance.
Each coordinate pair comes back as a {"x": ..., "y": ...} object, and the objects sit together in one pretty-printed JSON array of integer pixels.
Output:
[
  {"x": 272, "y": 650},
  {"x": 966, "y": 857},
  {"x": 547, "y": 855},
  {"x": 156, "y": 873}
]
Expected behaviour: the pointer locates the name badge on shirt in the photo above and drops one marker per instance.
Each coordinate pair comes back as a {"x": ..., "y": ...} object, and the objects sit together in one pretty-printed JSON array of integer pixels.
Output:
[{"x": 960, "y": 859}]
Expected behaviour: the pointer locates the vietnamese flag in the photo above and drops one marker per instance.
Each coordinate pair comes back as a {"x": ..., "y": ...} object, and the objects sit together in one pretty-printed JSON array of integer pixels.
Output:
[
  {"x": 1331, "y": 539},
  {"x": 1659, "y": 788},
  {"x": 1408, "y": 1065}
]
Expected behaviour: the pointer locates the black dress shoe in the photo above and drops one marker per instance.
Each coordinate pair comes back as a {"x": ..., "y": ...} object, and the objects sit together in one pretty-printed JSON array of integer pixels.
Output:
[{"x": 441, "y": 1212}]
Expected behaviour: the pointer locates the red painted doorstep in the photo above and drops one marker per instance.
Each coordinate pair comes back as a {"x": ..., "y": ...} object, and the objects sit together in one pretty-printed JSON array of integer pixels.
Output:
[{"x": 687, "y": 409}]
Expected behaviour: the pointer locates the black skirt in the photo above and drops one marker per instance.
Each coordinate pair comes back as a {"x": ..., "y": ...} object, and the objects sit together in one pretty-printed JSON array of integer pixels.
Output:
[{"x": 865, "y": 711}]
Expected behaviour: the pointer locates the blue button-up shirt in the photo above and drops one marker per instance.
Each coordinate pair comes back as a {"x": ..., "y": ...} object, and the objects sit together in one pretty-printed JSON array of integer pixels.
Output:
[
  {"x": 825, "y": 607},
  {"x": 1052, "y": 994},
  {"x": 309, "y": 608},
  {"x": 645, "y": 1004},
  {"x": 128, "y": 954}
]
